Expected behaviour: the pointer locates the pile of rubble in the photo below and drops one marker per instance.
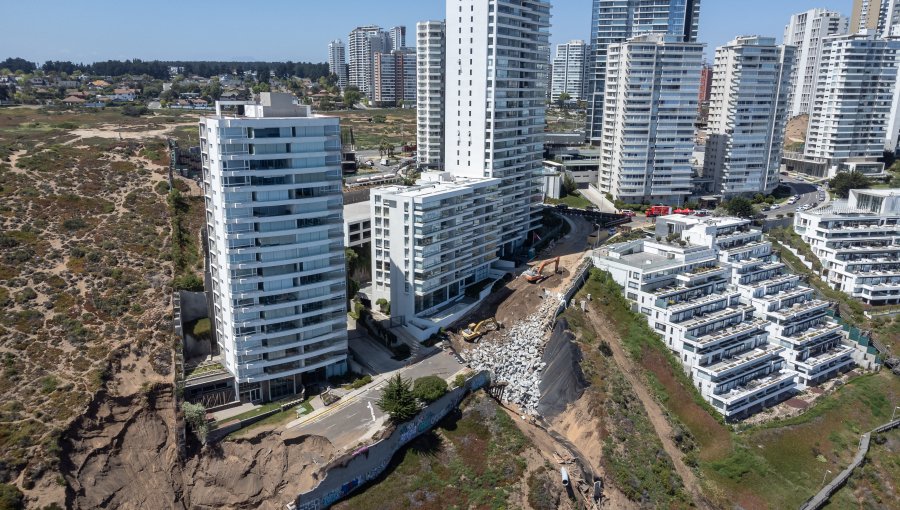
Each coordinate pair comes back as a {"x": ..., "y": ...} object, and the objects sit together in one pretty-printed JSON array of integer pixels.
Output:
[{"x": 515, "y": 359}]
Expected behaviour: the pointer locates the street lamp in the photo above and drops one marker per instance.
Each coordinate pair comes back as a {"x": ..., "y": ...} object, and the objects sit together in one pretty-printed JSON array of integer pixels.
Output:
[{"x": 823, "y": 476}]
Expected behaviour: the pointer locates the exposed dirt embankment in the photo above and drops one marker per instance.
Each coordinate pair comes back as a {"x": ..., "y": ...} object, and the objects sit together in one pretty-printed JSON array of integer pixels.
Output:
[
  {"x": 262, "y": 472},
  {"x": 122, "y": 454}
]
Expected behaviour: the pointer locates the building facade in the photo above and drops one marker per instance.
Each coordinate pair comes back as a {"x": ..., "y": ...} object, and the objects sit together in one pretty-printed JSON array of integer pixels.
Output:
[
  {"x": 431, "y": 242},
  {"x": 568, "y": 71},
  {"x": 495, "y": 104},
  {"x": 806, "y": 32},
  {"x": 272, "y": 183},
  {"x": 857, "y": 241},
  {"x": 430, "y": 64},
  {"x": 747, "y": 115},
  {"x": 881, "y": 16},
  {"x": 395, "y": 78},
  {"x": 652, "y": 86},
  {"x": 363, "y": 43},
  {"x": 615, "y": 21},
  {"x": 706, "y": 77},
  {"x": 854, "y": 96},
  {"x": 337, "y": 62},
  {"x": 398, "y": 38}
]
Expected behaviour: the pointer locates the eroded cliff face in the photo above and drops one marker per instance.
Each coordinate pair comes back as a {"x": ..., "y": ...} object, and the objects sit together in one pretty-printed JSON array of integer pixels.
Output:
[{"x": 123, "y": 454}]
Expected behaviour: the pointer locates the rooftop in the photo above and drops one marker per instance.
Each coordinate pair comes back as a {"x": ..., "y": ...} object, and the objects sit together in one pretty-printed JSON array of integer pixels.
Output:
[{"x": 356, "y": 212}]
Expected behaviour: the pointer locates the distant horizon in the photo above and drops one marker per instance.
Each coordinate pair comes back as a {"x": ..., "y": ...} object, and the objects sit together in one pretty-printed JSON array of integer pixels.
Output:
[{"x": 303, "y": 34}]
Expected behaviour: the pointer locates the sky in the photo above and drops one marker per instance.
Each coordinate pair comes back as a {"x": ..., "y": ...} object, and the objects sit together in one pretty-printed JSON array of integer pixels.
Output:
[{"x": 299, "y": 30}]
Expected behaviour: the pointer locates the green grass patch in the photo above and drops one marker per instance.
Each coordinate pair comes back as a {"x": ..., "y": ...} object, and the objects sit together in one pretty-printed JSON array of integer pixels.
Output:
[{"x": 575, "y": 200}]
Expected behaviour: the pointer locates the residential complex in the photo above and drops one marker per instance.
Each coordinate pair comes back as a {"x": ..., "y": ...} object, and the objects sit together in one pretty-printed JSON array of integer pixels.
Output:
[
  {"x": 363, "y": 43},
  {"x": 615, "y": 21},
  {"x": 857, "y": 241},
  {"x": 706, "y": 78},
  {"x": 747, "y": 115},
  {"x": 749, "y": 335},
  {"x": 652, "y": 86},
  {"x": 432, "y": 242},
  {"x": 337, "y": 63},
  {"x": 806, "y": 32},
  {"x": 882, "y": 16},
  {"x": 395, "y": 78},
  {"x": 272, "y": 181},
  {"x": 430, "y": 62},
  {"x": 854, "y": 95},
  {"x": 494, "y": 104},
  {"x": 568, "y": 71}
]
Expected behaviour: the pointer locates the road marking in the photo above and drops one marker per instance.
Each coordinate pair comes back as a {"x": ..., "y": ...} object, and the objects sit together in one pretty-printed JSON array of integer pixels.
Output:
[{"x": 371, "y": 409}]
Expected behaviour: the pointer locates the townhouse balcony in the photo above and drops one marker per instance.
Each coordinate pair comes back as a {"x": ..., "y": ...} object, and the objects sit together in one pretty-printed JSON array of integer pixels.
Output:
[
  {"x": 701, "y": 274},
  {"x": 823, "y": 366},
  {"x": 755, "y": 394},
  {"x": 799, "y": 310},
  {"x": 729, "y": 369},
  {"x": 695, "y": 303},
  {"x": 811, "y": 336},
  {"x": 710, "y": 341}
]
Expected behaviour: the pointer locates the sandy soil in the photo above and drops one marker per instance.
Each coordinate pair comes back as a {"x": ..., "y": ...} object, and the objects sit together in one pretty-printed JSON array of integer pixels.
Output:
[
  {"x": 796, "y": 129},
  {"x": 115, "y": 131}
]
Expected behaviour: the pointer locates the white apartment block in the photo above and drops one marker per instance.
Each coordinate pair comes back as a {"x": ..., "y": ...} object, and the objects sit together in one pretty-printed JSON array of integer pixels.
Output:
[
  {"x": 569, "y": 71},
  {"x": 398, "y": 38},
  {"x": 337, "y": 62},
  {"x": 748, "y": 335},
  {"x": 857, "y": 242},
  {"x": 272, "y": 180},
  {"x": 651, "y": 96},
  {"x": 395, "y": 78},
  {"x": 431, "y": 242},
  {"x": 430, "y": 63},
  {"x": 747, "y": 115},
  {"x": 616, "y": 21},
  {"x": 806, "y": 31},
  {"x": 495, "y": 104},
  {"x": 363, "y": 43},
  {"x": 853, "y": 101}
]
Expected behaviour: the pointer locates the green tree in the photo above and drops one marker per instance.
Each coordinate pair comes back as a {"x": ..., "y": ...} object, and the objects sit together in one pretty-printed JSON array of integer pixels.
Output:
[
  {"x": 569, "y": 186},
  {"x": 195, "y": 416},
  {"x": 562, "y": 99},
  {"x": 261, "y": 87},
  {"x": 11, "y": 497},
  {"x": 212, "y": 90},
  {"x": 351, "y": 96},
  {"x": 429, "y": 388},
  {"x": 740, "y": 207},
  {"x": 843, "y": 182},
  {"x": 398, "y": 400}
]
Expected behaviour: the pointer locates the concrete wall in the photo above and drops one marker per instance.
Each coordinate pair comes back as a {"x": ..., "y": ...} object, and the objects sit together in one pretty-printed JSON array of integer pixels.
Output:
[{"x": 346, "y": 474}]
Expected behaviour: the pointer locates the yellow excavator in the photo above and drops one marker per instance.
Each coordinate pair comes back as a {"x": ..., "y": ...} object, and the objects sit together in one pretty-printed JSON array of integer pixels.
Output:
[
  {"x": 475, "y": 331},
  {"x": 535, "y": 275}
]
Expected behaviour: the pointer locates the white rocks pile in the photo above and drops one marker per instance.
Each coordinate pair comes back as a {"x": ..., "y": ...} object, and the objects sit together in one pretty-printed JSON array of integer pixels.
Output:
[{"x": 516, "y": 357}]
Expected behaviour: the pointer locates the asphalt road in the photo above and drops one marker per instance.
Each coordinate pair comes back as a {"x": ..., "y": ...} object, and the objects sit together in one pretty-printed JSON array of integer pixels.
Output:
[
  {"x": 807, "y": 194},
  {"x": 353, "y": 418}
]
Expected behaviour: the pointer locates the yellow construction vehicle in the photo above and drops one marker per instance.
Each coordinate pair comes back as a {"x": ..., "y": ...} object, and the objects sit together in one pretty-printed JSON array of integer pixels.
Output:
[
  {"x": 535, "y": 275},
  {"x": 474, "y": 331}
]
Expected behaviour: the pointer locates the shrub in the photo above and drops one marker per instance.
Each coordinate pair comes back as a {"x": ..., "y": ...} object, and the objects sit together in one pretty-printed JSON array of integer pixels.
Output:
[
  {"x": 202, "y": 328},
  {"x": 359, "y": 383},
  {"x": 188, "y": 281},
  {"x": 195, "y": 416},
  {"x": 398, "y": 400},
  {"x": 74, "y": 224},
  {"x": 11, "y": 498},
  {"x": 429, "y": 388},
  {"x": 459, "y": 381}
]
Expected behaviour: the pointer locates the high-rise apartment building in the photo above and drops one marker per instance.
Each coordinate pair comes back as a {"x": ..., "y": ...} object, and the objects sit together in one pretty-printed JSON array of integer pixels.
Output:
[
  {"x": 854, "y": 96},
  {"x": 747, "y": 115},
  {"x": 272, "y": 181},
  {"x": 430, "y": 61},
  {"x": 395, "y": 78},
  {"x": 706, "y": 77},
  {"x": 652, "y": 86},
  {"x": 363, "y": 43},
  {"x": 615, "y": 21},
  {"x": 568, "y": 71},
  {"x": 337, "y": 62},
  {"x": 398, "y": 38},
  {"x": 430, "y": 242},
  {"x": 889, "y": 18},
  {"x": 806, "y": 31},
  {"x": 865, "y": 15},
  {"x": 494, "y": 103}
]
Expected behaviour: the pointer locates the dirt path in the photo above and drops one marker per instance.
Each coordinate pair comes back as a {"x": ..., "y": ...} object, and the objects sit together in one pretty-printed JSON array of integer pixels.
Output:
[{"x": 655, "y": 412}]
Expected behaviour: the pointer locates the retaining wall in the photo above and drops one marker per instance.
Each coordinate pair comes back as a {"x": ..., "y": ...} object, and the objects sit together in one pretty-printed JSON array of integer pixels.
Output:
[{"x": 346, "y": 474}]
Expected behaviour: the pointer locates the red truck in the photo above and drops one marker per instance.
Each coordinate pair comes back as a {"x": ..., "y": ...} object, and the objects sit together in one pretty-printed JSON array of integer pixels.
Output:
[{"x": 659, "y": 210}]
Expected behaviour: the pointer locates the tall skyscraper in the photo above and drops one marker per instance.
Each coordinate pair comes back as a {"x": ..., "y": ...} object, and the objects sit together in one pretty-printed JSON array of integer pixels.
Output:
[
  {"x": 274, "y": 218},
  {"x": 747, "y": 115},
  {"x": 395, "y": 78},
  {"x": 615, "y": 21},
  {"x": 363, "y": 43},
  {"x": 337, "y": 63},
  {"x": 855, "y": 91},
  {"x": 806, "y": 31},
  {"x": 652, "y": 86},
  {"x": 494, "y": 105},
  {"x": 865, "y": 15},
  {"x": 430, "y": 60},
  {"x": 398, "y": 38},
  {"x": 889, "y": 18},
  {"x": 706, "y": 77},
  {"x": 568, "y": 71}
]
